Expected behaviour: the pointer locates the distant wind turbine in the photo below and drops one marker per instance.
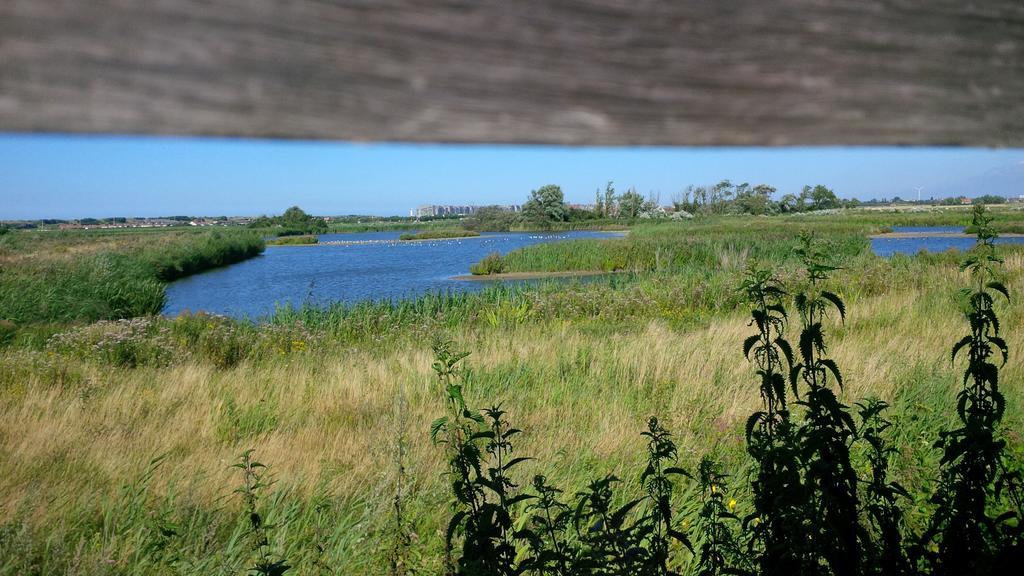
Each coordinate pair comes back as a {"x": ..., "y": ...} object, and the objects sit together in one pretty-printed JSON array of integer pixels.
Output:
[{"x": 919, "y": 188}]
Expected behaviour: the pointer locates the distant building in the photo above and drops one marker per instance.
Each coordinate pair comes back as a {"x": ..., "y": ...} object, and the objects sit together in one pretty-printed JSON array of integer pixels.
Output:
[
  {"x": 435, "y": 210},
  {"x": 965, "y": 200}
]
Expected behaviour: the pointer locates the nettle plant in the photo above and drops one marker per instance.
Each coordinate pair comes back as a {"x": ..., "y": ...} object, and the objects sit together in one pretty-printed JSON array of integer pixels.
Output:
[
  {"x": 963, "y": 536},
  {"x": 479, "y": 459},
  {"x": 495, "y": 529},
  {"x": 828, "y": 429},
  {"x": 779, "y": 528},
  {"x": 254, "y": 482}
]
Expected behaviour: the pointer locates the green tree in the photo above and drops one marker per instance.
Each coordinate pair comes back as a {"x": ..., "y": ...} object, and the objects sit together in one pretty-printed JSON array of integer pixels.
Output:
[
  {"x": 294, "y": 221},
  {"x": 820, "y": 197},
  {"x": 546, "y": 204},
  {"x": 756, "y": 200},
  {"x": 610, "y": 209},
  {"x": 989, "y": 199},
  {"x": 631, "y": 203}
]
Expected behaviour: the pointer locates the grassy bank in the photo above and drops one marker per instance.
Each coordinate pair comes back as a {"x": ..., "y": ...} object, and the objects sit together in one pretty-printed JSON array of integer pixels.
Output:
[
  {"x": 692, "y": 246},
  {"x": 681, "y": 248},
  {"x": 116, "y": 438},
  {"x": 93, "y": 275}
]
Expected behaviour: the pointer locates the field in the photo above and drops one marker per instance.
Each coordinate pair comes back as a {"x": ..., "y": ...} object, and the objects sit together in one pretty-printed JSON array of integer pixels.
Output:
[{"x": 117, "y": 437}]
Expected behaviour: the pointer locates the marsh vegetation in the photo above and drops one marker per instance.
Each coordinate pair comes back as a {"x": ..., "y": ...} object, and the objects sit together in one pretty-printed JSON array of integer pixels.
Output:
[
  {"x": 106, "y": 275},
  {"x": 118, "y": 437}
]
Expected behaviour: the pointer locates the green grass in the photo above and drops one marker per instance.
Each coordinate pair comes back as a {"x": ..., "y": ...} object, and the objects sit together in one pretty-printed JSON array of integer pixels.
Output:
[{"x": 682, "y": 247}]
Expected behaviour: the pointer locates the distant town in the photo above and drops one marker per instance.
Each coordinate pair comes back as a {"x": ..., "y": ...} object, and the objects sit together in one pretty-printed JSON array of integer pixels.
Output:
[
  {"x": 425, "y": 211},
  {"x": 434, "y": 210}
]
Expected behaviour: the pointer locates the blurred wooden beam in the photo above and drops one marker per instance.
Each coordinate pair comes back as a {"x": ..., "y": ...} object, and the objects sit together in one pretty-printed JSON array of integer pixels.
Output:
[{"x": 746, "y": 72}]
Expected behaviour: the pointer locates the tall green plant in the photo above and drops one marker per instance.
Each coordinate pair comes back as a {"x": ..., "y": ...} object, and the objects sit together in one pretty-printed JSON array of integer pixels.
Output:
[
  {"x": 885, "y": 553},
  {"x": 720, "y": 552},
  {"x": 254, "y": 481},
  {"x": 827, "y": 430},
  {"x": 657, "y": 481},
  {"x": 778, "y": 525},
  {"x": 968, "y": 538},
  {"x": 546, "y": 534},
  {"x": 612, "y": 542},
  {"x": 479, "y": 459}
]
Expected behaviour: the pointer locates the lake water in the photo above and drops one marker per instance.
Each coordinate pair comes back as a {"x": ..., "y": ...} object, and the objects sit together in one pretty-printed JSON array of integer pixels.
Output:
[
  {"x": 886, "y": 247},
  {"x": 346, "y": 273},
  {"x": 387, "y": 269}
]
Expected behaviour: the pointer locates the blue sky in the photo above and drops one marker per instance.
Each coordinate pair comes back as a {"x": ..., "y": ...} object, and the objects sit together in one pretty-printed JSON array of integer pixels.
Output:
[{"x": 90, "y": 176}]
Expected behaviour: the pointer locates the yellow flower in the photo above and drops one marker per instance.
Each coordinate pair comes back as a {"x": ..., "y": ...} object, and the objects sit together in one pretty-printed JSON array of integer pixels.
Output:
[
  {"x": 732, "y": 504},
  {"x": 756, "y": 521},
  {"x": 714, "y": 489}
]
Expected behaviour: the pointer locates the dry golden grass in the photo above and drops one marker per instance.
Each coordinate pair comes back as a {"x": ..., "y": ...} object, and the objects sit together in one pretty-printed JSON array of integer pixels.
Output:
[{"x": 581, "y": 398}]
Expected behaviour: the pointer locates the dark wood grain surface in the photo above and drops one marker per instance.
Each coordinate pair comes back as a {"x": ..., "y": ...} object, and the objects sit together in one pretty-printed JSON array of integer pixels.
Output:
[{"x": 780, "y": 72}]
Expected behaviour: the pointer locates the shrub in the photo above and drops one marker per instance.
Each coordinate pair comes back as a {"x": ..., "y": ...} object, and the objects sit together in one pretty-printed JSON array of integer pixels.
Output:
[
  {"x": 122, "y": 343},
  {"x": 493, "y": 263},
  {"x": 218, "y": 339}
]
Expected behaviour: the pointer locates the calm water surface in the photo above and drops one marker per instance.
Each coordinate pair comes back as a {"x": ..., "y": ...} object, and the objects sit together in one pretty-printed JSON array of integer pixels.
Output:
[
  {"x": 886, "y": 247},
  {"x": 349, "y": 273}
]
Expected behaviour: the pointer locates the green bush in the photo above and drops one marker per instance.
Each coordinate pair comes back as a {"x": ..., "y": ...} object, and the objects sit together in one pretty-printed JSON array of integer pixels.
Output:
[{"x": 493, "y": 263}]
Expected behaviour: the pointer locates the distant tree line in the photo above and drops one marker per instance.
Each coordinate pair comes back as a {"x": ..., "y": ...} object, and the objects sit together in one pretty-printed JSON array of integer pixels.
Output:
[
  {"x": 983, "y": 199},
  {"x": 728, "y": 198},
  {"x": 547, "y": 206}
]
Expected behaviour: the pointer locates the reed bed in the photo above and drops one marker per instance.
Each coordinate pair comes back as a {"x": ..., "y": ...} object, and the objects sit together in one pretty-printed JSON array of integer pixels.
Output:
[{"x": 96, "y": 275}]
